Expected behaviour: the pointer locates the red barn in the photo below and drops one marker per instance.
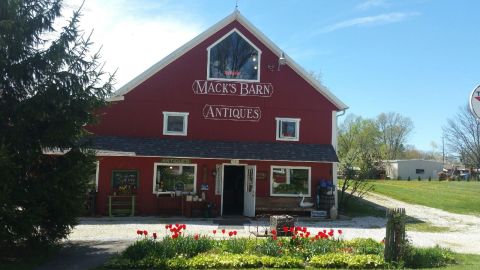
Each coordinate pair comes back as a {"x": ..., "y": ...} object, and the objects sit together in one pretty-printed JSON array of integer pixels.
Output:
[{"x": 227, "y": 123}]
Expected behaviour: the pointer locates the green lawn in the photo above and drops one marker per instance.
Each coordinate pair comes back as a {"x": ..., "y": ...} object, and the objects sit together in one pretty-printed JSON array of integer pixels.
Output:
[{"x": 456, "y": 197}]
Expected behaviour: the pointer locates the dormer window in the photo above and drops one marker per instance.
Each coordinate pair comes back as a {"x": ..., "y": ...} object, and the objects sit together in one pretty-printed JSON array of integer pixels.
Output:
[{"x": 233, "y": 57}]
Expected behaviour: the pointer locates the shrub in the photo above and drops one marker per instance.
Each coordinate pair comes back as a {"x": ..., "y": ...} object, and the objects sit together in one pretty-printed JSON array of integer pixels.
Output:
[
  {"x": 322, "y": 246},
  {"x": 428, "y": 257},
  {"x": 223, "y": 261},
  {"x": 270, "y": 247},
  {"x": 235, "y": 245},
  {"x": 408, "y": 179},
  {"x": 350, "y": 261},
  {"x": 419, "y": 179},
  {"x": 429, "y": 178},
  {"x": 365, "y": 246},
  {"x": 168, "y": 248}
]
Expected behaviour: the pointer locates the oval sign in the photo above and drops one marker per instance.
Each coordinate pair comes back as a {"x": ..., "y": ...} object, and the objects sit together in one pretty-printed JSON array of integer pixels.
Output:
[{"x": 475, "y": 102}]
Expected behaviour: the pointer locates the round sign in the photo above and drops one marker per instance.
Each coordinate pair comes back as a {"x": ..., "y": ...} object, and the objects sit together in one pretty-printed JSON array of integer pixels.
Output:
[{"x": 475, "y": 102}]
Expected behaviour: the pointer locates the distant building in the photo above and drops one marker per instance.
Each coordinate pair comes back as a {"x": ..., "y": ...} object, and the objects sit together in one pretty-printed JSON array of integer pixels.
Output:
[{"x": 413, "y": 168}]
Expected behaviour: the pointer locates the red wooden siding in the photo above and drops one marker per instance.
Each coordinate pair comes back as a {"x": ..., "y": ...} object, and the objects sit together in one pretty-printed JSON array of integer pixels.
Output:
[{"x": 140, "y": 114}]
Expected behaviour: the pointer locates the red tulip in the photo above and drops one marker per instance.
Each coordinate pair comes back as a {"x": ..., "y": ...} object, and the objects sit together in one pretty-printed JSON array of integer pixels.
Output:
[
  {"x": 223, "y": 230},
  {"x": 145, "y": 233},
  {"x": 230, "y": 233},
  {"x": 174, "y": 236},
  {"x": 274, "y": 237},
  {"x": 176, "y": 225},
  {"x": 154, "y": 235},
  {"x": 139, "y": 232},
  {"x": 195, "y": 237},
  {"x": 274, "y": 232},
  {"x": 340, "y": 231},
  {"x": 234, "y": 232},
  {"x": 214, "y": 231},
  {"x": 285, "y": 229}
]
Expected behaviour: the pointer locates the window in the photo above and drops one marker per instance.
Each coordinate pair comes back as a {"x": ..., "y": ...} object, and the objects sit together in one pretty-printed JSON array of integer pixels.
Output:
[
  {"x": 175, "y": 123},
  {"x": 290, "y": 181},
  {"x": 174, "y": 177},
  {"x": 288, "y": 129},
  {"x": 420, "y": 171},
  {"x": 234, "y": 57}
]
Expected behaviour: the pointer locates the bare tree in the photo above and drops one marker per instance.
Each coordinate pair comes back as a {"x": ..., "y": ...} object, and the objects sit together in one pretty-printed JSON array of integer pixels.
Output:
[
  {"x": 462, "y": 136},
  {"x": 394, "y": 130}
]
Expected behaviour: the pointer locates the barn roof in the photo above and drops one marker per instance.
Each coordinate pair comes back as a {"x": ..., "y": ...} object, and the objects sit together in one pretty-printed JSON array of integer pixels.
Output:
[
  {"x": 235, "y": 16},
  {"x": 178, "y": 148}
]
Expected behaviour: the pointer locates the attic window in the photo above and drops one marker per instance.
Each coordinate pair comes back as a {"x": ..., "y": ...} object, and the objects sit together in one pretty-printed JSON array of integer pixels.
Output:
[{"x": 234, "y": 57}]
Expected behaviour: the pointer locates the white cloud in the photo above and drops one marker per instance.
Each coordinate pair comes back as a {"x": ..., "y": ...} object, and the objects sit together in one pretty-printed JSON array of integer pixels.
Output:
[
  {"x": 371, "y": 20},
  {"x": 367, "y": 4},
  {"x": 134, "y": 36}
]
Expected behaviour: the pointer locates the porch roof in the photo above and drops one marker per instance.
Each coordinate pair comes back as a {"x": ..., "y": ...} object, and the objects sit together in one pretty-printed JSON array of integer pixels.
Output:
[{"x": 182, "y": 148}]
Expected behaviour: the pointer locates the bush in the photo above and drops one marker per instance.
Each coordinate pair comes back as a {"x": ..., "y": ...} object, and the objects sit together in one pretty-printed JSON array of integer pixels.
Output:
[
  {"x": 419, "y": 179},
  {"x": 235, "y": 245},
  {"x": 429, "y": 178},
  {"x": 365, "y": 246},
  {"x": 168, "y": 248},
  {"x": 223, "y": 261},
  {"x": 350, "y": 261},
  {"x": 428, "y": 257},
  {"x": 408, "y": 179},
  {"x": 270, "y": 247}
]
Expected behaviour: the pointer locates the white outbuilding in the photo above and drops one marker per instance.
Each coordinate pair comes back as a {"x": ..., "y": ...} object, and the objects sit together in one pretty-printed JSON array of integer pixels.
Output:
[{"x": 413, "y": 168}]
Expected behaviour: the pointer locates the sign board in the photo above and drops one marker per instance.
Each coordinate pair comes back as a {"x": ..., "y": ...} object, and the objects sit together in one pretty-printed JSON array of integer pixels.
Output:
[
  {"x": 204, "y": 187},
  {"x": 201, "y": 87},
  {"x": 125, "y": 178},
  {"x": 232, "y": 113},
  {"x": 175, "y": 161},
  {"x": 475, "y": 102}
]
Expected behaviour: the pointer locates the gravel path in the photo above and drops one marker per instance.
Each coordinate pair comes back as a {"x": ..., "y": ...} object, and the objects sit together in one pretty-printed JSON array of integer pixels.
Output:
[{"x": 464, "y": 234}]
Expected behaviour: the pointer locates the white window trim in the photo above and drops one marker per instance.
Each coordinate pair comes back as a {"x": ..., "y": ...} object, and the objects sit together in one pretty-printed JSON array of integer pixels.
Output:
[
  {"x": 291, "y": 167},
  {"x": 249, "y": 42},
  {"x": 97, "y": 173},
  {"x": 297, "y": 129},
  {"x": 165, "y": 123},
  {"x": 173, "y": 164}
]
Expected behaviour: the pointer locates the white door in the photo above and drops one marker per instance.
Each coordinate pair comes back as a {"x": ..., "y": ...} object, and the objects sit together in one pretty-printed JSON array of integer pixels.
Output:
[{"x": 249, "y": 194}]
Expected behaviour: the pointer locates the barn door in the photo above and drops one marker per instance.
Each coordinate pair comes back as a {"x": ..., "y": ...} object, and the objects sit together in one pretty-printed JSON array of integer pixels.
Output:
[{"x": 249, "y": 194}]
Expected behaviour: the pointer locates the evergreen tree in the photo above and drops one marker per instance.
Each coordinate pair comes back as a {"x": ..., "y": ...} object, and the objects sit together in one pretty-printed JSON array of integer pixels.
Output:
[{"x": 50, "y": 86}]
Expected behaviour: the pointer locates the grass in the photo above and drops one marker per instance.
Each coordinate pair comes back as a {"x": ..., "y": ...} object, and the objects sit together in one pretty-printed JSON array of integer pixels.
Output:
[
  {"x": 456, "y": 197},
  {"x": 357, "y": 207},
  {"x": 465, "y": 262}
]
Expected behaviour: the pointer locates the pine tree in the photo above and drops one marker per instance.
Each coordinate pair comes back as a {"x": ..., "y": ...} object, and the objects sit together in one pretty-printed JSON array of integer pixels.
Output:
[{"x": 50, "y": 87}]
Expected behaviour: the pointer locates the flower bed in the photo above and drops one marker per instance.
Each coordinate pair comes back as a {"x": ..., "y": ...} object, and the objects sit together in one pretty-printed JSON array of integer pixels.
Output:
[{"x": 180, "y": 250}]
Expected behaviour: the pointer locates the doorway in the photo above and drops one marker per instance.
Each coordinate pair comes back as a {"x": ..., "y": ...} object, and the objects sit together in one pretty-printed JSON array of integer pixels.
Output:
[{"x": 233, "y": 189}]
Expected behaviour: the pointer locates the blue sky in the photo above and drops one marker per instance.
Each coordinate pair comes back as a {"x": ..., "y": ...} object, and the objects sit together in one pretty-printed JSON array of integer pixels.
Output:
[{"x": 419, "y": 58}]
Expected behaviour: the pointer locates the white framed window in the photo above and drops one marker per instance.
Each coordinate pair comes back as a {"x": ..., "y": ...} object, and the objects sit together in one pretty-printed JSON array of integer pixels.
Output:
[
  {"x": 290, "y": 181},
  {"x": 288, "y": 129},
  {"x": 233, "y": 58},
  {"x": 173, "y": 177},
  {"x": 175, "y": 123}
]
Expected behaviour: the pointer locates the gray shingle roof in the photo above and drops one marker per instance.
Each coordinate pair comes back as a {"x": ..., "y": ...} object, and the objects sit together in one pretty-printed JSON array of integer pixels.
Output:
[{"x": 274, "y": 151}]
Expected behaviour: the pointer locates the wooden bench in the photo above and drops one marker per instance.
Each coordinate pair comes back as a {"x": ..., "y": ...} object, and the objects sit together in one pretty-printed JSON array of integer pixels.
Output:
[{"x": 280, "y": 205}]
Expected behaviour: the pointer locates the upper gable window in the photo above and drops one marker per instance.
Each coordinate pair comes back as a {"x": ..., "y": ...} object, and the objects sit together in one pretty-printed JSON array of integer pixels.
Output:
[
  {"x": 175, "y": 123},
  {"x": 234, "y": 57}
]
